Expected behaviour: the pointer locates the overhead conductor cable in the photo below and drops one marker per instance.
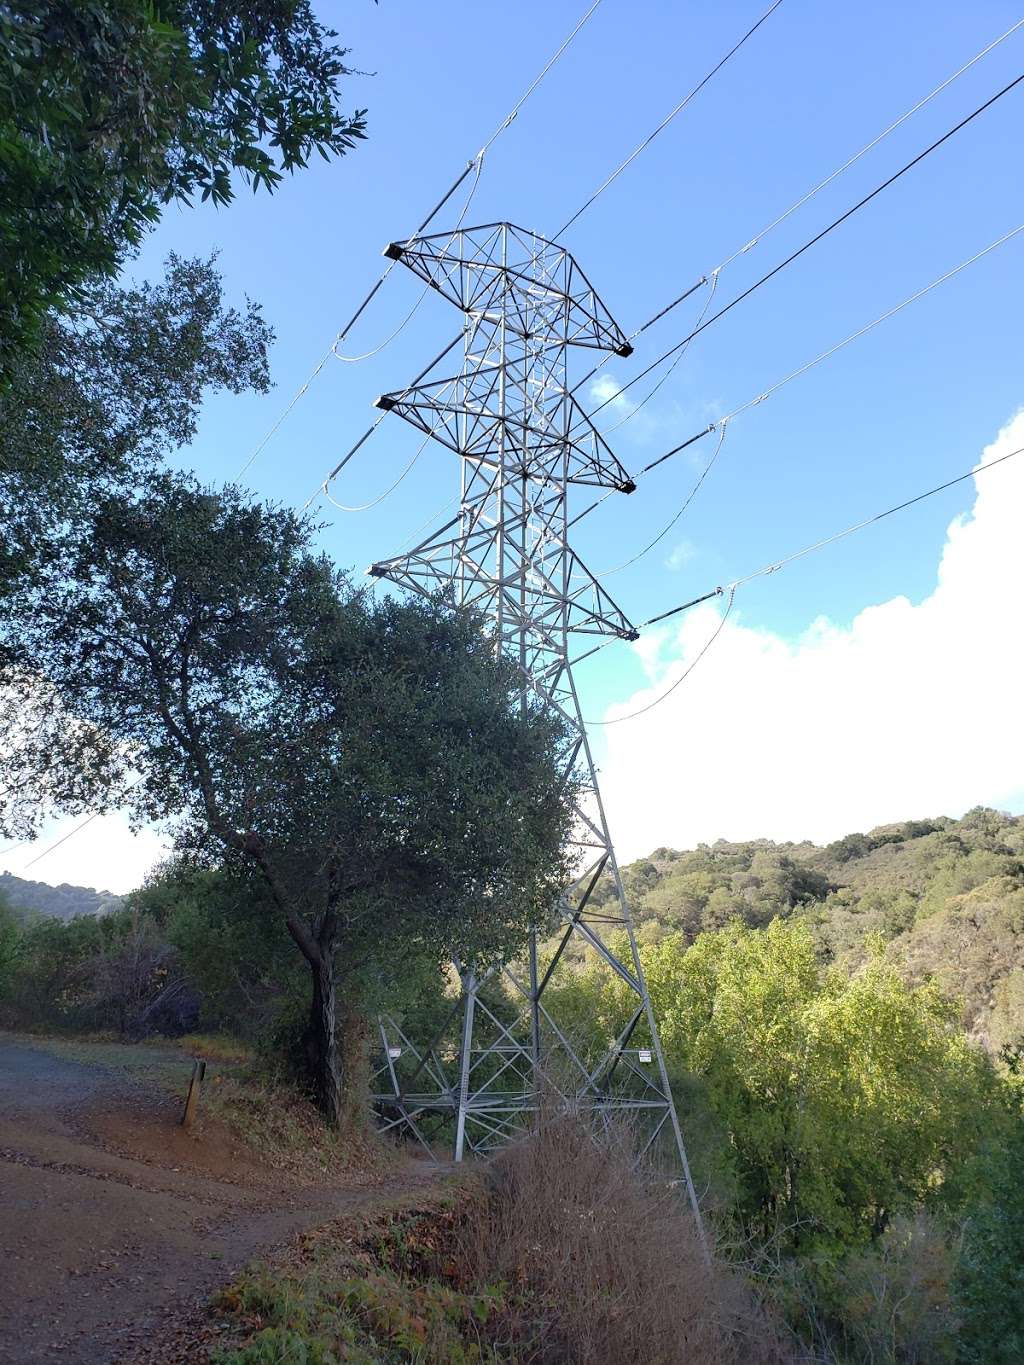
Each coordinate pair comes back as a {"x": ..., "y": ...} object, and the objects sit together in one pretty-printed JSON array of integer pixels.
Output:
[
  {"x": 788, "y": 379},
  {"x": 819, "y": 236},
  {"x": 632, "y": 156},
  {"x": 642, "y": 146},
  {"x": 600, "y": 190},
  {"x": 774, "y": 566},
  {"x": 712, "y": 275}
]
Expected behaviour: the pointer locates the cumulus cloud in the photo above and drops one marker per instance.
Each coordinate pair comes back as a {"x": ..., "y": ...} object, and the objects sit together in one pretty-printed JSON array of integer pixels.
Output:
[{"x": 912, "y": 710}]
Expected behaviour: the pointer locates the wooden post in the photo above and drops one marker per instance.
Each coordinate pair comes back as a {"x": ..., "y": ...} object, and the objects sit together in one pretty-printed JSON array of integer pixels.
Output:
[{"x": 194, "y": 1087}]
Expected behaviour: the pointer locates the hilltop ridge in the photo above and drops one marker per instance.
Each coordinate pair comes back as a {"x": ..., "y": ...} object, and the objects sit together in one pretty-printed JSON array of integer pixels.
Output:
[
  {"x": 62, "y": 902},
  {"x": 944, "y": 897}
]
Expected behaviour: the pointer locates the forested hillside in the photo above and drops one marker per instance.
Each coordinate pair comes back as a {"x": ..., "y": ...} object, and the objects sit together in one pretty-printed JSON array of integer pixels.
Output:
[
  {"x": 945, "y": 898},
  {"x": 60, "y": 902}
]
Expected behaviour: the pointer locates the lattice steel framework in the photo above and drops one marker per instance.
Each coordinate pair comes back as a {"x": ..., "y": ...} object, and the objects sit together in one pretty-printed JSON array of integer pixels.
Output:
[{"x": 523, "y": 442}]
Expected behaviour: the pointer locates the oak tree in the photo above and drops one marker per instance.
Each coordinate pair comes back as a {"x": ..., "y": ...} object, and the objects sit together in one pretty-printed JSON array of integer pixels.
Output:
[{"x": 369, "y": 759}]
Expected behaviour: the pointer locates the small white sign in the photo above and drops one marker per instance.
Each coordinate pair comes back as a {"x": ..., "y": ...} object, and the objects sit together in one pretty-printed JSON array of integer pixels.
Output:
[
  {"x": 394, "y": 1053},
  {"x": 644, "y": 1055}
]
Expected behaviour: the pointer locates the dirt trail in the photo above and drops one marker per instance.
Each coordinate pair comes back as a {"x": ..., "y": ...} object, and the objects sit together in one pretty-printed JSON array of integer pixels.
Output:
[{"x": 114, "y": 1224}]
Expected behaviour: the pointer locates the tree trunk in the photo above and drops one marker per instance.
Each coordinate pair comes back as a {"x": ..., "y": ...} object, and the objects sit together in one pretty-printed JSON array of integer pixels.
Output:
[
  {"x": 321, "y": 1041},
  {"x": 355, "y": 1062}
]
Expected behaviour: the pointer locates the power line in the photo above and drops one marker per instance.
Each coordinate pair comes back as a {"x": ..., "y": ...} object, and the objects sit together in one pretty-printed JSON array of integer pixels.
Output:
[
  {"x": 322, "y": 489},
  {"x": 823, "y": 184},
  {"x": 713, "y": 275},
  {"x": 839, "y": 345},
  {"x": 642, "y": 146},
  {"x": 368, "y": 355},
  {"x": 681, "y": 346},
  {"x": 671, "y": 369},
  {"x": 635, "y": 153},
  {"x": 71, "y": 832},
  {"x": 340, "y": 337},
  {"x": 794, "y": 374},
  {"x": 430, "y": 521},
  {"x": 884, "y": 317},
  {"x": 870, "y": 521},
  {"x": 775, "y": 565},
  {"x": 365, "y": 507},
  {"x": 476, "y": 161},
  {"x": 615, "y": 720},
  {"x": 375, "y": 502},
  {"x": 819, "y": 236},
  {"x": 722, "y": 428},
  {"x": 376, "y": 423},
  {"x": 64, "y": 838}
]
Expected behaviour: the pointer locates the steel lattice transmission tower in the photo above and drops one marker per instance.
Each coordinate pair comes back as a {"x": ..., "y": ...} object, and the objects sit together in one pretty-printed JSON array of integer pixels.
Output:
[{"x": 523, "y": 442}]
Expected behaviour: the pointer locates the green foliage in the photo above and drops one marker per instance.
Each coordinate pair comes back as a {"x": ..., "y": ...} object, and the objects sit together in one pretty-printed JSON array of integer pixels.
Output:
[
  {"x": 10, "y": 934},
  {"x": 843, "y": 1123},
  {"x": 889, "y": 1302},
  {"x": 843, "y": 1100},
  {"x": 947, "y": 896},
  {"x": 110, "y": 109},
  {"x": 974, "y": 948},
  {"x": 707, "y": 888},
  {"x": 366, "y": 764},
  {"x": 990, "y": 1282},
  {"x": 378, "y": 1314},
  {"x": 232, "y": 944},
  {"x": 104, "y": 397},
  {"x": 92, "y": 973},
  {"x": 47, "y": 960}
]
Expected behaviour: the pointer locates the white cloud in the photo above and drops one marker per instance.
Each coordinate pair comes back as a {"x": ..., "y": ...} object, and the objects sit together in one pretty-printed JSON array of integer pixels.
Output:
[
  {"x": 680, "y": 555},
  {"x": 912, "y": 710},
  {"x": 606, "y": 390}
]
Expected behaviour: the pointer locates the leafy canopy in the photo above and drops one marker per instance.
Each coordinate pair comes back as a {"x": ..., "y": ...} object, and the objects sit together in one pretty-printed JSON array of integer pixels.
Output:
[
  {"x": 111, "y": 108},
  {"x": 946, "y": 896},
  {"x": 841, "y": 1100},
  {"x": 368, "y": 759},
  {"x": 105, "y": 396}
]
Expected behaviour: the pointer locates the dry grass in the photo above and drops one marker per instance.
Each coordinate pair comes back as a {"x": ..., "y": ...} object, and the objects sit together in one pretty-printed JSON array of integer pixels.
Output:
[
  {"x": 285, "y": 1131},
  {"x": 608, "y": 1266},
  {"x": 217, "y": 1047},
  {"x": 553, "y": 1254}
]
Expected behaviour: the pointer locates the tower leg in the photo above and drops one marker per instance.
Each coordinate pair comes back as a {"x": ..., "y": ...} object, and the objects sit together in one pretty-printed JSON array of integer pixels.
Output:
[{"x": 465, "y": 1063}]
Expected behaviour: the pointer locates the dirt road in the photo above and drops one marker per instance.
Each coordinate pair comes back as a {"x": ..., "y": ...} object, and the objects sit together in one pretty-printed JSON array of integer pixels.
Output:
[{"x": 114, "y": 1224}]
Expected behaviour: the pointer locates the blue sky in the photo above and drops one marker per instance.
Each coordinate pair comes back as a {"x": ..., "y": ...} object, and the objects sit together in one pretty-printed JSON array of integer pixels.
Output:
[{"x": 909, "y": 405}]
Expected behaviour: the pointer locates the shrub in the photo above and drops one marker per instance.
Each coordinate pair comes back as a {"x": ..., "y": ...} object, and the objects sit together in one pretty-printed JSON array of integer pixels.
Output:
[
  {"x": 556, "y": 1252},
  {"x": 990, "y": 1280},
  {"x": 888, "y": 1303}
]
